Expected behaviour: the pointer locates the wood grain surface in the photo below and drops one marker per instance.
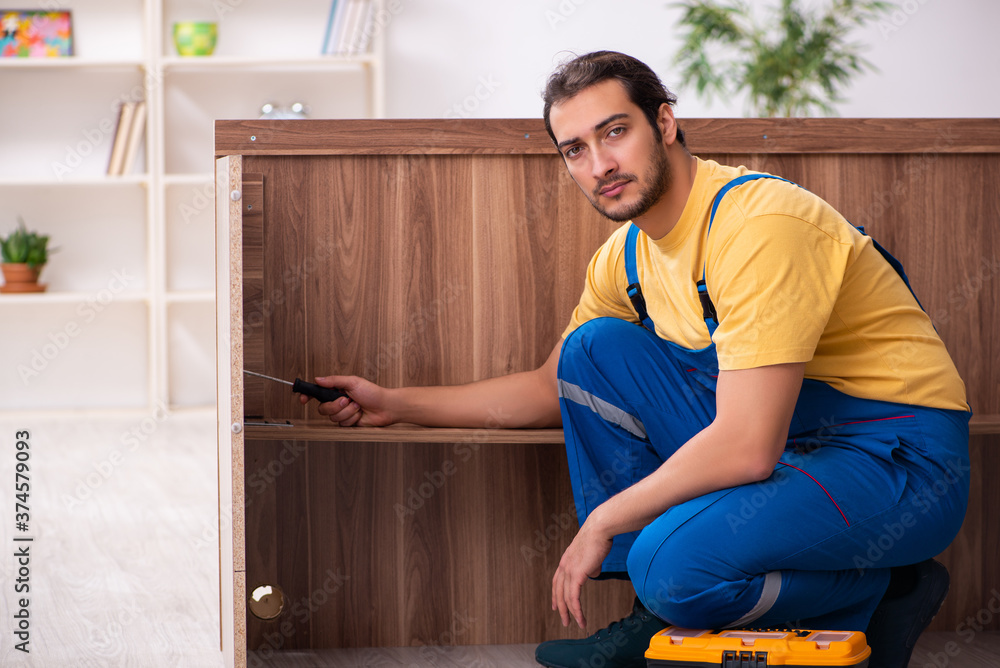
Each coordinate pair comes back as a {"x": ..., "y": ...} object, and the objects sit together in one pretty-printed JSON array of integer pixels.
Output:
[
  {"x": 528, "y": 136},
  {"x": 440, "y": 253}
]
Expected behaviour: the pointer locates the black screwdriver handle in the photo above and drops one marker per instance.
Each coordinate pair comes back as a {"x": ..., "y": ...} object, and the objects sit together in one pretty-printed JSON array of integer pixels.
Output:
[{"x": 323, "y": 394}]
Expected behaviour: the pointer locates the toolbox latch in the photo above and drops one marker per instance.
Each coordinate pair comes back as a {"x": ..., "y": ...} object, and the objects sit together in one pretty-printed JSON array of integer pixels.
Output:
[{"x": 732, "y": 659}]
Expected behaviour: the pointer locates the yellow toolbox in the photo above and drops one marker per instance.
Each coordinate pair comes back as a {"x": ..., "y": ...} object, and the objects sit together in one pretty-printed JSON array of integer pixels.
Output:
[{"x": 674, "y": 647}]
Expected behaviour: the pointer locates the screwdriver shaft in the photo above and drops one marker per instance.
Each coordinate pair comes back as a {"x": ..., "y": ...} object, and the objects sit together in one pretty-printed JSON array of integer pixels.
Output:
[{"x": 278, "y": 380}]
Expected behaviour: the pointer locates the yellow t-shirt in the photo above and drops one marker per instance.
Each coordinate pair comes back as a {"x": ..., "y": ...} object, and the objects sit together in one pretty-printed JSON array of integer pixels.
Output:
[{"x": 792, "y": 281}]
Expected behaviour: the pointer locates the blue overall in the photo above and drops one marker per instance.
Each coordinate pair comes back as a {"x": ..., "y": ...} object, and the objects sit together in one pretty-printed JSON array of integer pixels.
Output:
[{"x": 862, "y": 485}]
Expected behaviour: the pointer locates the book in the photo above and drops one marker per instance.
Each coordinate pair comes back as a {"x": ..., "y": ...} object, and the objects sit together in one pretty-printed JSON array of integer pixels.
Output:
[
  {"x": 338, "y": 12},
  {"x": 125, "y": 114},
  {"x": 348, "y": 29},
  {"x": 354, "y": 30},
  {"x": 367, "y": 28},
  {"x": 135, "y": 134},
  {"x": 328, "y": 36}
]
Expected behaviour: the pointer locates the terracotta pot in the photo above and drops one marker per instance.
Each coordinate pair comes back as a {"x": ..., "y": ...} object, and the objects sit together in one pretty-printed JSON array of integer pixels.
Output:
[{"x": 19, "y": 277}]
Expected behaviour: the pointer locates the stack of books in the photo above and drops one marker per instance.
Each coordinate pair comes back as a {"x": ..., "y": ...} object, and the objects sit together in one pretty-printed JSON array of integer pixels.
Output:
[
  {"x": 349, "y": 28},
  {"x": 128, "y": 136}
]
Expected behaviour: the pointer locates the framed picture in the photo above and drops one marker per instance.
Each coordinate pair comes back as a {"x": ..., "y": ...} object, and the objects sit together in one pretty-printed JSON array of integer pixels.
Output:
[{"x": 35, "y": 34}]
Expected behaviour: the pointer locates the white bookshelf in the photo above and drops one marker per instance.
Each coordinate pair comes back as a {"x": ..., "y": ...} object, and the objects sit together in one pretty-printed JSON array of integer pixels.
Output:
[{"x": 133, "y": 277}]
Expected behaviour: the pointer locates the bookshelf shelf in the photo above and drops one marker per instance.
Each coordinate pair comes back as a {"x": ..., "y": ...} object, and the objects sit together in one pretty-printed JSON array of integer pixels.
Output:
[
  {"x": 149, "y": 234},
  {"x": 322, "y": 63},
  {"x": 191, "y": 297},
  {"x": 187, "y": 179},
  {"x": 70, "y": 63},
  {"x": 44, "y": 298},
  {"x": 127, "y": 181}
]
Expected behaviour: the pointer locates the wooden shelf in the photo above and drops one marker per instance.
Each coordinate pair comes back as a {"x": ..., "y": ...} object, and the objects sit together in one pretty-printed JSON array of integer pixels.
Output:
[
  {"x": 323, "y": 430},
  {"x": 984, "y": 424}
]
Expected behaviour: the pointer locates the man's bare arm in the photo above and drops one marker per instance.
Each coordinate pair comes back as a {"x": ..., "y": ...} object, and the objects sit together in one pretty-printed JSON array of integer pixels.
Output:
[{"x": 526, "y": 399}]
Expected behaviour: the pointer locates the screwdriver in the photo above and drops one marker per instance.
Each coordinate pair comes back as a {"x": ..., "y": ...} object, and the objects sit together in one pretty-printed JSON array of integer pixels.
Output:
[{"x": 323, "y": 394}]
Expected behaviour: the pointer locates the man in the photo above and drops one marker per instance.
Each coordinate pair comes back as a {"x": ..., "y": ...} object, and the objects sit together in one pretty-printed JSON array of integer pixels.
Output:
[{"x": 782, "y": 397}]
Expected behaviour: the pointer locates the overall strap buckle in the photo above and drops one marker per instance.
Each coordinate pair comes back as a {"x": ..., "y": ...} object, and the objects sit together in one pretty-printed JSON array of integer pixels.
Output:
[{"x": 708, "y": 311}]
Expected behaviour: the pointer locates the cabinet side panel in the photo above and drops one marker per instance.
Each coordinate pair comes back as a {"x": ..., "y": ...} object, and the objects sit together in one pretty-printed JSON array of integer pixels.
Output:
[{"x": 229, "y": 343}]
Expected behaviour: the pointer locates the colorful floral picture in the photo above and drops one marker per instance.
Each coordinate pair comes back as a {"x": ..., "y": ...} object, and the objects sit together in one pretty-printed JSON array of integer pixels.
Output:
[{"x": 34, "y": 34}]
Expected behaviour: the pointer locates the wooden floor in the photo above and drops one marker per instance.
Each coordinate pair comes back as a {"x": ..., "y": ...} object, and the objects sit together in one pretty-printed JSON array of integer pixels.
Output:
[
  {"x": 935, "y": 650},
  {"x": 123, "y": 567}
]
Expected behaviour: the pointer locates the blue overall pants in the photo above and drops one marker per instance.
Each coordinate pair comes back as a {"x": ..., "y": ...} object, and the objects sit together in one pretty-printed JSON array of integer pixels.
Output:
[{"x": 862, "y": 486}]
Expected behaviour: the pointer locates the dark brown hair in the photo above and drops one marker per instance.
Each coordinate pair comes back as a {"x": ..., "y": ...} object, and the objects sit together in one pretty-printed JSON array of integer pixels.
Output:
[{"x": 644, "y": 88}]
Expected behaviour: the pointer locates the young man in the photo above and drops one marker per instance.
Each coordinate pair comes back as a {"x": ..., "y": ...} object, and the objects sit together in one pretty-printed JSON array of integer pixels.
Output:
[{"x": 780, "y": 395}]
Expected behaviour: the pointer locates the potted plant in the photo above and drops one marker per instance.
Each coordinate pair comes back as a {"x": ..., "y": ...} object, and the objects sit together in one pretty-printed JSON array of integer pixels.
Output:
[
  {"x": 791, "y": 63},
  {"x": 24, "y": 254}
]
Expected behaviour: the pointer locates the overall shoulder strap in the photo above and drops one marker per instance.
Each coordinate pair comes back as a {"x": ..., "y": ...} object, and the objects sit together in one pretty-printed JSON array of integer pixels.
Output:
[
  {"x": 633, "y": 289},
  {"x": 707, "y": 307}
]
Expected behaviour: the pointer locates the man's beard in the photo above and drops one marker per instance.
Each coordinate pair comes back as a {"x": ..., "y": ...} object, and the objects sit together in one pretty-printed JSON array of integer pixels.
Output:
[{"x": 659, "y": 179}]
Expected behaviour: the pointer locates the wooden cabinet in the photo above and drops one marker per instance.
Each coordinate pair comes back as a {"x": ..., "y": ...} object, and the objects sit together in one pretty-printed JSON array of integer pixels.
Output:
[{"x": 441, "y": 252}]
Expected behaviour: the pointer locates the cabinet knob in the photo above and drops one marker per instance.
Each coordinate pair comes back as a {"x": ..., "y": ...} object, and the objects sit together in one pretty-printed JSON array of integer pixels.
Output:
[{"x": 235, "y": 195}]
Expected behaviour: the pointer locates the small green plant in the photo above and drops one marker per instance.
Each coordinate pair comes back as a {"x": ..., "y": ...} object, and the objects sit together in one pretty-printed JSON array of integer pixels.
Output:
[
  {"x": 22, "y": 246},
  {"x": 793, "y": 64}
]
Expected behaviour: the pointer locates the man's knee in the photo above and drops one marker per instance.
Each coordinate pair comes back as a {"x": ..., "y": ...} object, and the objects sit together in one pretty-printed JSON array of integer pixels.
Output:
[
  {"x": 599, "y": 339},
  {"x": 666, "y": 579},
  {"x": 673, "y": 580}
]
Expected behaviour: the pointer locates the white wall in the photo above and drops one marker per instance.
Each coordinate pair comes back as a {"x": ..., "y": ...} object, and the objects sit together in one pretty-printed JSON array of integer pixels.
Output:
[{"x": 936, "y": 58}]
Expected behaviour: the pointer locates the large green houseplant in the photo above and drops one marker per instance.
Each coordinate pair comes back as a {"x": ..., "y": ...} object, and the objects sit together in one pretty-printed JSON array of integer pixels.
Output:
[
  {"x": 791, "y": 63},
  {"x": 24, "y": 254}
]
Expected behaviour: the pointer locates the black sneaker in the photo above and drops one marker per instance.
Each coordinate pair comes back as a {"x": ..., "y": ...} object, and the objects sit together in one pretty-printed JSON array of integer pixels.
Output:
[
  {"x": 901, "y": 617},
  {"x": 623, "y": 644}
]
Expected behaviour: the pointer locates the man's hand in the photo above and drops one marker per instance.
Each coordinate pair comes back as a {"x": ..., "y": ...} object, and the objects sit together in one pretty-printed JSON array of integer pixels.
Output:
[
  {"x": 582, "y": 559},
  {"x": 366, "y": 407}
]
